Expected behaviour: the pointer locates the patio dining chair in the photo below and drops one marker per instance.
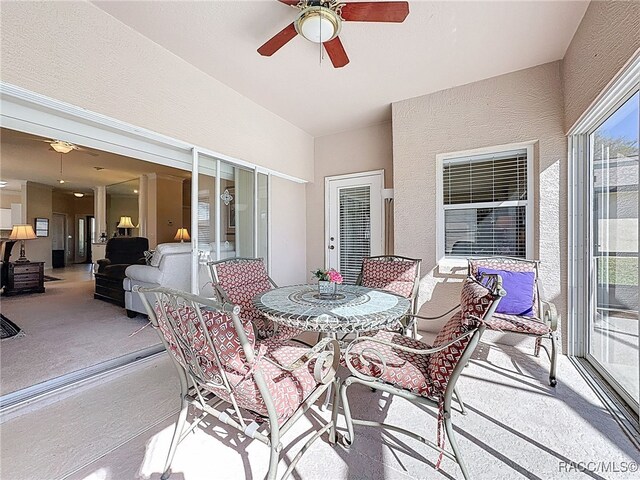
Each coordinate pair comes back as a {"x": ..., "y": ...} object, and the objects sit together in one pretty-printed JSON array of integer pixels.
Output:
[
  {"x": 259, "y": 388},
  {"x": 395, "y": 274},
  {"x": 423, "y": 374},
  {"x": 522, "y": 311},
  {"x": 238, "y": 281}
]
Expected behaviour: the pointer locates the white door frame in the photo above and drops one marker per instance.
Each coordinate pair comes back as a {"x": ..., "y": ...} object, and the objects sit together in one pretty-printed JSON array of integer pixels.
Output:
[{"x": 327, "y": 202}]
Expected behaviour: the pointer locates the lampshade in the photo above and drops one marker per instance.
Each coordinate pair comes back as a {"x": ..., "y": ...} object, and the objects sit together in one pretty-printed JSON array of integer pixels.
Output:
[
  {"x": 318, "y": 24},
  {"x": 182, "y": 234},
  {"x": 125, "y": 222},
  {"x": 22, "y": 232}
]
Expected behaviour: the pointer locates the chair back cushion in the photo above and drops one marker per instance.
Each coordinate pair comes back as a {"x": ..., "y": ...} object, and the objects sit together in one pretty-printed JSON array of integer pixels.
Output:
[
  {"x": 164, "y": 249},
  {"x": 126, "y": 250},
  {"x": 516, "y": 286},
  {"x": 475, "y": 302},
  {"x": 393, "y": 274},
  {"x": 186, "y": 339},
  {"x": 241, "y": 280}
]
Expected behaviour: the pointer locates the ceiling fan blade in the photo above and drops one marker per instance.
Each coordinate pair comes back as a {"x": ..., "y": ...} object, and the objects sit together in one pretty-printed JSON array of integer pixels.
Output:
[
  {"x": 375, "y": 11},
  {"x": 336, "y": 52},
  {"x": 276, "y": 42}
]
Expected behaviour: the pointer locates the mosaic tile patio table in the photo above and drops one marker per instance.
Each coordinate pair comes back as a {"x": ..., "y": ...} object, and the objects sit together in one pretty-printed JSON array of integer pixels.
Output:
[{"x": 354, "y": 309}]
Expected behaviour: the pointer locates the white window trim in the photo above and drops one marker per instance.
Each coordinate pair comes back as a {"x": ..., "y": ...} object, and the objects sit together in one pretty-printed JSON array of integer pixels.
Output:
[{"x": 441, "y": 258}]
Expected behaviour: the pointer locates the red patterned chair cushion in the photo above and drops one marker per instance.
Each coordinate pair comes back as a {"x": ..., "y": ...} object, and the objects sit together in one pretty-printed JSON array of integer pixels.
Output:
[
  {"x": 241, "y": 282},
  {"x": 514, "y": 323},
  {"x": 393, "y": 275},
  {"x": 403, "y": 370},
  {"x": 287, "y": 389},
  {"x": 194, "y": 344}
]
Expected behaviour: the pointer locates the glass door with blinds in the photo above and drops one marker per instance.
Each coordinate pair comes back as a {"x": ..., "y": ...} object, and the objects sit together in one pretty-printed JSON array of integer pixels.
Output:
[
  {"x": 485, "y": 204},
  {"x": 612, "y": 331},
  {"x": 354, "y": 226}
]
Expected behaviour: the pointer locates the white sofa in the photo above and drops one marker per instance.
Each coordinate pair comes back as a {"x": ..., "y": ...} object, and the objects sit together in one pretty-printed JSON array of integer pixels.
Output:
[{"x": 170, "y": 266}]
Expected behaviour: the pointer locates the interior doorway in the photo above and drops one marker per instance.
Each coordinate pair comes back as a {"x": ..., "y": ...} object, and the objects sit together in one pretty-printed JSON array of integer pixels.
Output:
[{"x": 59, "y": 240}]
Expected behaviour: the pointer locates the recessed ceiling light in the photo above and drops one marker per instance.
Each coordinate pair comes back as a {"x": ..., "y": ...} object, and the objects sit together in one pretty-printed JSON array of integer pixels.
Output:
[
  {"x": 135, "y": 191},
  {"x": 78, "y": 194},
  {"x": 3, "y": 184},
  {"x": 60, "y": 181}
]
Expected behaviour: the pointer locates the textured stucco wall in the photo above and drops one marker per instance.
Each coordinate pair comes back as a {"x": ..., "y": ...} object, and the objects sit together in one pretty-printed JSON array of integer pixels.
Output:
[
  {"x": 353, "y": 151},
  {"x": 607, "y": 37},
  {"x": 77, "y": 53},
  {"x": 288, "y": 232},
  {"x": 517, "y": 107}
]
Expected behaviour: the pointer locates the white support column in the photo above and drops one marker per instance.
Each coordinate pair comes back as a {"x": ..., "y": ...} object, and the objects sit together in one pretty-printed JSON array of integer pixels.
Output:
[
  {"x": 143, "y": 204},
  {"x": 100, "y": 210}
]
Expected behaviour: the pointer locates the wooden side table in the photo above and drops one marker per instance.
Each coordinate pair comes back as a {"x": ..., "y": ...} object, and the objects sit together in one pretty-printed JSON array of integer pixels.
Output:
[{"x": 25, "y": 277}]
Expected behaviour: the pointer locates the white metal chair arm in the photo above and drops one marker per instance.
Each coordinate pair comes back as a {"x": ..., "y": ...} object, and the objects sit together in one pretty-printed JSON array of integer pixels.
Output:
[
  {"x": 327, "y": 360},
  {"x": 550, "y": 314}
]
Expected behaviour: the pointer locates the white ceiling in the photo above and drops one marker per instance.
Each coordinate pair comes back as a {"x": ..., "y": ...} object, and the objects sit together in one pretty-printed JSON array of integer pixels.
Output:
[
  {"x": 28, "y": 157},
  {"x": 440, "y": 45}
]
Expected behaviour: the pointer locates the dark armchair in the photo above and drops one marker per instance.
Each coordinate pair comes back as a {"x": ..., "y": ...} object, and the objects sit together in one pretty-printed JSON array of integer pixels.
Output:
[{"x": 120, "y": 253}]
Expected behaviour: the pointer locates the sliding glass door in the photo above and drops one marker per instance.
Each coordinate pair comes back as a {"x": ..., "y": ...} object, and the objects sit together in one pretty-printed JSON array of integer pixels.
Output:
[
  {"x": 231, "y": 217},
  {"x": 612, "y": 330}
]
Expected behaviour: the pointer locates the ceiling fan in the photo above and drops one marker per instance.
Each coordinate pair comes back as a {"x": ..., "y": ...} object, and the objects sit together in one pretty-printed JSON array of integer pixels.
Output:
[
  {"x": 320, "y": 21},
  {"x": 61, "y": 146}
]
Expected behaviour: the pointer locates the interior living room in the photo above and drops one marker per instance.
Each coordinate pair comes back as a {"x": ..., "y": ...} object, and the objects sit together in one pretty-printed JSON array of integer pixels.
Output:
[{"x": 319, "y": 239}]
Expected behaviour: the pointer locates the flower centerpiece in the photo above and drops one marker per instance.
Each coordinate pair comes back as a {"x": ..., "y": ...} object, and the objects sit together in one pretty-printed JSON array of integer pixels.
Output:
[{"x": 327, "y": 281}]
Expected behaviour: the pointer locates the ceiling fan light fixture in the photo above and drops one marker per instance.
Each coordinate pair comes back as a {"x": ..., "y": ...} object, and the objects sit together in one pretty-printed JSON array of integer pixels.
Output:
[
  {"x": 62, "y": 147},
  {"x": 318, "y": 24}
]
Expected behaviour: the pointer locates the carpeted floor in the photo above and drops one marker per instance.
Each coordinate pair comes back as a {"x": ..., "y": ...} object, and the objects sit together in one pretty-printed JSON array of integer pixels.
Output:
[
  {"x": 517, "y": 427},
  {"x": 67, "y": 330}
]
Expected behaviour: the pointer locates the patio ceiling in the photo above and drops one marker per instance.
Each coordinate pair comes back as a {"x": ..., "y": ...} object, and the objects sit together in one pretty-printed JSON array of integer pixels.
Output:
[{"x": 440, "y": 45}]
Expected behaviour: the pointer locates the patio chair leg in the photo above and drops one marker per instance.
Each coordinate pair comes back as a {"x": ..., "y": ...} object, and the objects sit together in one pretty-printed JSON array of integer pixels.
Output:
[
  {"x": 274, "y": 458},
  {"x": 347, "y": 440},
  {"x": 554, "y": 359},
  {"x": 536, "y": 349},
  {"x": 454, "y": 445},
  {"x": 182, "y": 417},
  {"x": 459, "y": 398},
  {"x": 334, "y": 412}
]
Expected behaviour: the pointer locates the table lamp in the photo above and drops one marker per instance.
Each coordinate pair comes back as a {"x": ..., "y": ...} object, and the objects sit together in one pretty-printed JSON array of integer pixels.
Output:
[
  {"x": 182, "y": 235},
  {"x": 22, "y": 233},
  {"x": 126, "y": 223}
]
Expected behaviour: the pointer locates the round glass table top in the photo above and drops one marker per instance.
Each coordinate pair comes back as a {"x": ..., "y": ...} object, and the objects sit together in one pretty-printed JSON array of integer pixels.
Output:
[{"x": 353, "y": 309}]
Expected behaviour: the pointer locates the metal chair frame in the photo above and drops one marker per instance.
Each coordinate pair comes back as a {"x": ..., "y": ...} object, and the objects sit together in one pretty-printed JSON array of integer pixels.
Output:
[
  {"x": 411, "y": 325},
  {"x": 546, "y": 311},
  {"x": 475, "y": 333},
  {"x": 193, "y": 382}
]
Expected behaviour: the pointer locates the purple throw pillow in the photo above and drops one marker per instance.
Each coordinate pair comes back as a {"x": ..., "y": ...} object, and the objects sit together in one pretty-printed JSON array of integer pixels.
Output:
[{"x": 519, "y": 287}]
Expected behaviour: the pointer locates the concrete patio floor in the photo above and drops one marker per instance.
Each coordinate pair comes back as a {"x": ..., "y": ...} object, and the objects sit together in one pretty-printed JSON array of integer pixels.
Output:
[{"x": 517, "y": 427}]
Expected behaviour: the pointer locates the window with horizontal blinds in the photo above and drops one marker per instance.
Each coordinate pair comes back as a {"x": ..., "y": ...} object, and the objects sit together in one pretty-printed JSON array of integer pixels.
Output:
[
  {"x": 485, "y": 201},
  {"x": 355, "y": 230}
]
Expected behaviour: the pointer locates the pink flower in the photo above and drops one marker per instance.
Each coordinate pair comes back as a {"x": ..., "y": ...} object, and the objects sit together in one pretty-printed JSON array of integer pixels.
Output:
[{"x": 334, "y": 276}]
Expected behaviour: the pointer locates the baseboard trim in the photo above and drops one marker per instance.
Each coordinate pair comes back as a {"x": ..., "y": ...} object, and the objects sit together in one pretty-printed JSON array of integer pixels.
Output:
[{"x": 12, "y": 403}]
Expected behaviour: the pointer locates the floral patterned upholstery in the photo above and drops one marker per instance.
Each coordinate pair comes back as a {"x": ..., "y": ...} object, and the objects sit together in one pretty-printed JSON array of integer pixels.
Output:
[
  {"x": 287, "y": 389},
  {"x": 393, "y": 274},
  {"x": 241, "y": 281}
]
